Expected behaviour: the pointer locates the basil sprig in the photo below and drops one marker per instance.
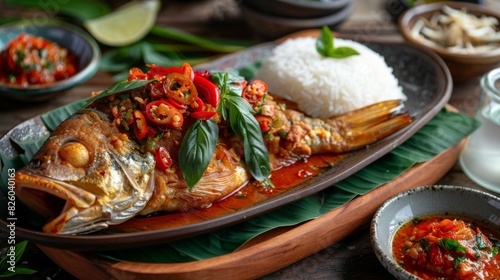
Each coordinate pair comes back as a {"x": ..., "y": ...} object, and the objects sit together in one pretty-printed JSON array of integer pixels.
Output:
[
  {"x": 243, "y": 124},
  {"x": 119, "y": 87},
  {"x": 197, "y": 148},
  {"x": 324, "y": 46}
]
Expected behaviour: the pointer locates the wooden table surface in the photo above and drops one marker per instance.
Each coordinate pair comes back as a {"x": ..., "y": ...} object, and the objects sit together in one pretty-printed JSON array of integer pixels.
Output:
[{"x": 351, "y": 258}]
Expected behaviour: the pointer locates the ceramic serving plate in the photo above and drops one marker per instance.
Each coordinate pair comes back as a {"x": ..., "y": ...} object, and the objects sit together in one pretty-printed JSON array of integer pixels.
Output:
[{"x": 424, "y": 78}]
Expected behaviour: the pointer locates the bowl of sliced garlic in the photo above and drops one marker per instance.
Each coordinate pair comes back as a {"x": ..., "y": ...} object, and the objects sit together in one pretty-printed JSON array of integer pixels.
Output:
[{"x": 466, "y": 36}]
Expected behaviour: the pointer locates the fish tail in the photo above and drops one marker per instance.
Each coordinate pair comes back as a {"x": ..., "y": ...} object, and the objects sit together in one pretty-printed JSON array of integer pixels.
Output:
[
  {"x": 375, "y": 130},
  {"x": 356, "y": 129},
  {"x": 374, "y": 113}
]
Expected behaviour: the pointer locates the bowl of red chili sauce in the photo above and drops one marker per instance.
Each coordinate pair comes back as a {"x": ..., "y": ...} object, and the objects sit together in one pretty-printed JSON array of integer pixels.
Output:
[
  {"x": 439, "y": 232},
  {"x": 38, "y": 61}
]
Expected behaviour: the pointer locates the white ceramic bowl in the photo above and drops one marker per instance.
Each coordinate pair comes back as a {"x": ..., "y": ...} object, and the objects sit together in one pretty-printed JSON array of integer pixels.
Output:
[{"x": 430, "y": 200}]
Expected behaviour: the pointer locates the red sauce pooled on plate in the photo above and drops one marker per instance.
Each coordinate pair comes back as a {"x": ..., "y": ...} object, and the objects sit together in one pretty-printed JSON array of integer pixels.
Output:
[
  {"x": 30, "y": 60},
  {"x": 283, "y": 179},
  {"x": 441, "y": 247}
]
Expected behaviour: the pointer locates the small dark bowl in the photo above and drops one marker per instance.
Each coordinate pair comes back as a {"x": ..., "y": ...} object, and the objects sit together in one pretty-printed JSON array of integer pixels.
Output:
[
  {"x": 471, "y": 204},
  {"x": 463, "y": 67},
  {"x": 270, "y": 26},
  {"x": 68, "y": 36},
  {"x": 297, "y": 8}
]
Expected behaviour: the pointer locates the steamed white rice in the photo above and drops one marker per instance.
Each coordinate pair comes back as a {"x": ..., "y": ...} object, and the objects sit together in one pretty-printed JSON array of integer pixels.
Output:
[{"x": 323, "y": 87}]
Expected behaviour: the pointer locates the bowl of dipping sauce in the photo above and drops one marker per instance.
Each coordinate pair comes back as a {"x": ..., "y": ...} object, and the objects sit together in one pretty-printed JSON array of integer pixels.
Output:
[
  {"x": 38, "y": 61},
  {"x": 466, "y": 36},
  {"x": 439, "y": 232}
]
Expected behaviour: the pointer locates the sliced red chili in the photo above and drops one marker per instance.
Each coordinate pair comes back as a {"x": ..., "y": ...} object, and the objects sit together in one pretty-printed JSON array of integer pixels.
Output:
[
  {"x": 177, "y": 104},
  {"x": 205, "y": 74},
  {"x": 136, "y": 74},
  {"x": 140, "y": 127},
  {"x": 180, "y": 88},
  {"x": 159, "y": 72},
  {"x": 254, "y": 92},
  {"x": 157, "y": 90},
  {"x": 435, "y": 255},
  {"x": 188, "y": 71},
  {"x": 163, "y": 159},
  {"x": 208, "y": 90},
  {"x": 199, "y": 105},
  {"x": 265, "y": 122},
  {"x": 203, "y": 115},
  {"x": 162, "y": 113}
]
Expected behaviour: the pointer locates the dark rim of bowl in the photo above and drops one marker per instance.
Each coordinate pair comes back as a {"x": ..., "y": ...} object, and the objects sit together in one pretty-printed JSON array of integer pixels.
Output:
[
  {"x": 332, "y": 4},
  {"x": 407, "y": 19},
  {"x": 302, "y": 22},
  {"x": 62, "y": 84}
]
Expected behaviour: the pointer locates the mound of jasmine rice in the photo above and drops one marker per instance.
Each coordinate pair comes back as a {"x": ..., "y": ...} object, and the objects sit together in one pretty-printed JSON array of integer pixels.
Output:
[{"x": 323, "y": 87}]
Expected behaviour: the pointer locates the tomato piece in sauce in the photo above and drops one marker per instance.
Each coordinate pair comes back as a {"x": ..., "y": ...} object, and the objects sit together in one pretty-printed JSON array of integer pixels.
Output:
[
  {"x": 30, "y": 60},
  {"x": 438, "y": 247}
]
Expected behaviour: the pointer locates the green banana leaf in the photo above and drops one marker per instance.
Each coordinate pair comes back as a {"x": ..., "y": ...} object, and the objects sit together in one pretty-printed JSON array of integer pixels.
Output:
[{"x": 443, "y": 131}]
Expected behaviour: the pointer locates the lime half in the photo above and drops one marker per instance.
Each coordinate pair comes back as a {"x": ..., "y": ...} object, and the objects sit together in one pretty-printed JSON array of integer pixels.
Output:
[{"x": 126, "y": 25}]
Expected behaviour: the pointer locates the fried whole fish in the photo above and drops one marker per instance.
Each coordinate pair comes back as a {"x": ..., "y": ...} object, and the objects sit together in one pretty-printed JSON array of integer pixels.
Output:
[{"x": 102, "y": 167}]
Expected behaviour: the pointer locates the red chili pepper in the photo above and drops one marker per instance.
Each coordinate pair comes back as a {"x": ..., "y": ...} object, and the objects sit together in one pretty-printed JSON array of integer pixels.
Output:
[
  {"x": 265, "y": 122},
  {"x": 187, "y": 70},
  {"x": 163, "y": 159},
  {"x": 136, "y": 74},
  {"x": 177, "y": 104},
  {"x": 180, "y": 88},
  {"x": 157, "y": 90},
  {"x": 162, "y": 113},
  {"x": 140, "y": 127},
  {"x": 159, "y": 72},
  {"x": 199, "y": 105},
  {"x": 209, "y": 90},
  {"x": 254, "y": 92},
  {"x": 205, "y": 74},
  {"x": 203, "y": 115},
  {"x": 435, "y": 255}
]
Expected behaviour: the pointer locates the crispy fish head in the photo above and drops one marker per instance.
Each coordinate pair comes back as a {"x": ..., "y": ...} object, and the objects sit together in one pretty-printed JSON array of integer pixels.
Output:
[{"x": 86, "y": 176}]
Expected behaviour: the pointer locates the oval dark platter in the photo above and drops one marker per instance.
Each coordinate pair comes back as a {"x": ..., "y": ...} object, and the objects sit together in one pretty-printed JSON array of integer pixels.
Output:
[{"x": 423, "y": 76}]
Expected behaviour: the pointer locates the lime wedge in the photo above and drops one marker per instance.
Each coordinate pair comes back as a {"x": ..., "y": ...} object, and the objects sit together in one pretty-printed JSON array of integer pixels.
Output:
[{"x": 128, "y": 24}]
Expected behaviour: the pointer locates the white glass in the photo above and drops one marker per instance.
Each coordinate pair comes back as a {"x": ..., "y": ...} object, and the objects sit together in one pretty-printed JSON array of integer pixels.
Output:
[{"x": 480, "y": 159}]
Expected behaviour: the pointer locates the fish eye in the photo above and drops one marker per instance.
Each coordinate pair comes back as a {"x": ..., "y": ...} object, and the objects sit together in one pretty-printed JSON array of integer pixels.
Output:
[{"x": 75, "y": 154}]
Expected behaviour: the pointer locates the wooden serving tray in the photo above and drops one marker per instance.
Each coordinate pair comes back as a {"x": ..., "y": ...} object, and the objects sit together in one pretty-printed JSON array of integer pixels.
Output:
[{"x": 283, "y": 245}]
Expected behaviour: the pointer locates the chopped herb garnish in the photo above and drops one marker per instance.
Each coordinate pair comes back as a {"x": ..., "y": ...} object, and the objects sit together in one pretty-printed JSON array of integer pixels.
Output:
[{"x": 451, "y": 245}]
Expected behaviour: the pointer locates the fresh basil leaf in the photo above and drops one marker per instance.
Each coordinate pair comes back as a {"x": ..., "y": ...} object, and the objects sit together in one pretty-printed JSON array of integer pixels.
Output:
[
  {"x": 326, "y": 48},
  {"x": 451, "y": 245},
  {"x": 197, "y": 149},
  {"x": 246, "y": 127},
  {"x": 324, "y": 43},
  {"x": 120, "y": 87},
  {"x": 228, "y": 82},
  {"x": 343, "y": 52}
]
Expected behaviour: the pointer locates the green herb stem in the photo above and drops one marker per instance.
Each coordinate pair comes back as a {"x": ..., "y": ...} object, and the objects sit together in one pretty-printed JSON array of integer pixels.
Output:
[{"x": 175, "y": 34}]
